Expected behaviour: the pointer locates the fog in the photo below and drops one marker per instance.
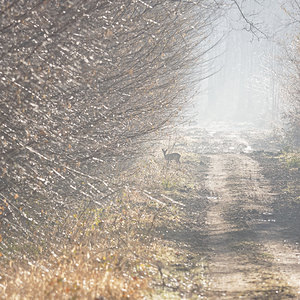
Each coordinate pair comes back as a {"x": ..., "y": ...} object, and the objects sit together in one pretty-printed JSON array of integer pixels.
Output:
[
  {"x": 245, "y": 66},
  {"x": 136, "y": 156}
]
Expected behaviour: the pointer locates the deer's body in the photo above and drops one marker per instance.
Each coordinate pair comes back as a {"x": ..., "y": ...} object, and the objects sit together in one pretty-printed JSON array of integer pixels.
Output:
[{"x": 171, "y": 156}]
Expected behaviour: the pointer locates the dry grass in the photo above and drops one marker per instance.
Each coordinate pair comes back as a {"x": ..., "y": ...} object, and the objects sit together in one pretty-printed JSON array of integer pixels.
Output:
[
  {"x": 82, "y": 274},
  {"x": 112, "y": 253},
  {"x": 111, "y": 260}
]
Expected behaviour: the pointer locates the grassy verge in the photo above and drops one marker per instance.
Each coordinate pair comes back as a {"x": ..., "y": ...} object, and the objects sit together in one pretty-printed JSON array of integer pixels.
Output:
[
  {"x": 117, "y": 252},
  {"x": 291, "y": 159}
]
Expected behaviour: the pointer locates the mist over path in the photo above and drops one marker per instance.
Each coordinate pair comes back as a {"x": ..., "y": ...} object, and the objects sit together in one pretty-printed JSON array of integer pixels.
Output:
[{"x": 247, "y": 231}]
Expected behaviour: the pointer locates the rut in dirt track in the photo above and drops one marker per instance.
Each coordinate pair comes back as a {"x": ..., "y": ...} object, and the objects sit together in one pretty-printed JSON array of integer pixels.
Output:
[{"x": 248, "y": 256}]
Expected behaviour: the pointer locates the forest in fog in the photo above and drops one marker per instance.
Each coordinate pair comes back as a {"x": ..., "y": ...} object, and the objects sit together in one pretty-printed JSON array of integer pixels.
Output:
[
  {"x": 83, "y": 86},
  {"x": 253, "y": 64},
  {"x": 90, "y": 91}
]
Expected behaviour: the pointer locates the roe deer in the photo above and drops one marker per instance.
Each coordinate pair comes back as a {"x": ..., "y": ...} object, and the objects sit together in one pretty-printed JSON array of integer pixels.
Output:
[{"x": 171, "y": 156}]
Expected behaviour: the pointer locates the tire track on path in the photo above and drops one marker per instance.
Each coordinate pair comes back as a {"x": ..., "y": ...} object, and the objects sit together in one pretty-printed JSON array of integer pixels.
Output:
[{"x": 244, "y": 248}]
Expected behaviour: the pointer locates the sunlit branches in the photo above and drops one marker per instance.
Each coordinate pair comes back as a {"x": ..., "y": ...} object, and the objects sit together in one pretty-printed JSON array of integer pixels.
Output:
[{"x": 83, "y": 84}]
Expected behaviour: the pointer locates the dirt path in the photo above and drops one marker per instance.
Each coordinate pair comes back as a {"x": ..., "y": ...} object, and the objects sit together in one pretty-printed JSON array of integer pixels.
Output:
[
  {"x": 249, "y": 257},
  {"x": 238, "y": 235}
]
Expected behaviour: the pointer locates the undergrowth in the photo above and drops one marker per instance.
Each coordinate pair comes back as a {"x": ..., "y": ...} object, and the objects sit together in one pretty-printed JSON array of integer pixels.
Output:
[{"x": 110, "y": 253}]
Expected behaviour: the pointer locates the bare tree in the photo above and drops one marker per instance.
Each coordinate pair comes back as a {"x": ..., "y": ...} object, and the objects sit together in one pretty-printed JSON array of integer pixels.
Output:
[
  {"x": 291, "y": 75},
  {"x": 82, "y": 85}
]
